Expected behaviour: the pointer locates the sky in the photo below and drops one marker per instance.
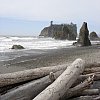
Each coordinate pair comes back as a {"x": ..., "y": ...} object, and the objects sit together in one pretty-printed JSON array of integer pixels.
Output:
[{"x": 29, "y": 17}]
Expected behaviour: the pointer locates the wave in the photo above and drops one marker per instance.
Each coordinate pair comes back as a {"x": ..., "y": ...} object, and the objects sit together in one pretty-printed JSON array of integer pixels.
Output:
[{"x": 32, "y": 43}]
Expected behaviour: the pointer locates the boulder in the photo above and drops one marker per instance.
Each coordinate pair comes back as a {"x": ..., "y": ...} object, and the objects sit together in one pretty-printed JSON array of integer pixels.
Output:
[
  {"x": 94, "y": 36},
  {"x": 17, "y": 47},
  {"x": 84, "y": 36}
]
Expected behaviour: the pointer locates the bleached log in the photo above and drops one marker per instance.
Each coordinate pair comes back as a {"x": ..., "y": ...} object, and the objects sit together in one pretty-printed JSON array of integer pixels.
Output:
[
  {"x": 91, "y": 70},
  {"x": 78, "y": 90},
  {"x": 21, "y": 76},
  {"x": 62, "y": 84},
  {"x": 90, "y": 92},
  {"x": 97, "y": 98},
  {"x": 91, "y": 65},
  {"x": 30, "y": 90},
  {"x": 96, "y": 76},
  {"x": 81, "y": 78},
  {"x": 82, "y": 98}
]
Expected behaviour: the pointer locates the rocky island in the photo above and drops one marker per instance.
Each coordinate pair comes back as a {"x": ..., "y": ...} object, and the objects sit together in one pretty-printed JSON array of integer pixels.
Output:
[
  {"x": 94, "y": 36},
  {"x": 60, "y": 31}
]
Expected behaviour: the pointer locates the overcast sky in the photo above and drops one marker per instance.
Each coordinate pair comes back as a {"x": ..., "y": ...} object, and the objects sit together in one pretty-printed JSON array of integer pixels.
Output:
[{"x": 33, "y": 15}]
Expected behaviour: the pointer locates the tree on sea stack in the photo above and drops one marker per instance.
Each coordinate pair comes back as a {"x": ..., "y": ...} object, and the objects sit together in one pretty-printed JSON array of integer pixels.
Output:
[{"x": 83, "y": 36}]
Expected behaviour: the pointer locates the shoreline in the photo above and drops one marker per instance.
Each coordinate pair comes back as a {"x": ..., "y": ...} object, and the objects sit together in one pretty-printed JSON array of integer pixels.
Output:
[{"x": 44, "y": 58}]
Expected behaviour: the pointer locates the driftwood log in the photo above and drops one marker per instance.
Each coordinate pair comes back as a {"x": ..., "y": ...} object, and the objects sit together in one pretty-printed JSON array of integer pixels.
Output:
[
  {"x": 57, "y": 89},
  {"x": 82, "y": 98},
  {"x": 91, "y": 65},
  {"x": 91, "y": 70},
  {"x": 97, "y": 98},
  {"x": 17, "y": 93},
  {"x": 78, "y": 90},
  {"x": 81, "y": 78},
  {"x": 21, "y": 76},
  {"x": 90, "y": 92},
  {"x": 30, "y": 90},
  {"x": 26, "y": 75}
]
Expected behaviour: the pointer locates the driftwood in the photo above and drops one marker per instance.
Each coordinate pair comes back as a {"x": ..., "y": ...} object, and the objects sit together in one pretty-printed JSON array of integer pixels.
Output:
[
  {"x": 26, "y": 88},
  {"x": 96, "y": 76},
  {"x": 90, "y": 92},
  {"x": 78, "y": 90},
  {"x": 91, "y": 65},
  {"x": 26, "y": 75},
  {"x": 97, "y": 98},
  {"x": 83, "y": 98},
  {"x": 57, "y": 89},
  {"x": 91, "y": 70},
  {"x": 30, "y": 90},
  {"x": 81, "y": 78},
  {"x": 21, "y": 76}
]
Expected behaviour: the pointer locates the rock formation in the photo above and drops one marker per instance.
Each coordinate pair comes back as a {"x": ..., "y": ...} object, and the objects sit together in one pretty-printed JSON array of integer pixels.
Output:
[
  {"x": 17, "y": 47},
  {"x": 94, "y": 36},
  {"x": 62, "y": 31},
  {"x": 83, "y": 36}
]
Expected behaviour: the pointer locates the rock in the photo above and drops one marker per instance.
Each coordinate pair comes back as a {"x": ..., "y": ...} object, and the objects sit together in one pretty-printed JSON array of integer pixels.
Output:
[
  {"x": 83, "y": 36},
  {"x": 76, "y": 44},
  {"x": 62, "y": 35},
  {"x": 17, "y": 47},
  {"x": 60, "y": 31},
  {"x": 94, "y": 36}
]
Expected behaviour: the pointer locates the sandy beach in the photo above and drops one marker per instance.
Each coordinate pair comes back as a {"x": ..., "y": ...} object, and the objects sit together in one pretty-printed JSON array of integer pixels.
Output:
[{"x": 44, "y": 58}]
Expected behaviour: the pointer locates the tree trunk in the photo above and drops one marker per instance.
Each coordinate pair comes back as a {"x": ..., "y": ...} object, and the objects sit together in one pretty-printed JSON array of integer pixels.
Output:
[
  {"x": 21, "y": 76},
  {"x": 78, "y": 90},
  {"x": 30, "y": 90},
  {"x": 57, "y": 89}
]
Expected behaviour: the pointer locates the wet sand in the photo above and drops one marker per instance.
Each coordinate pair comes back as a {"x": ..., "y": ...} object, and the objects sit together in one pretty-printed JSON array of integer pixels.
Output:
[{"x": 43, "y": 58}]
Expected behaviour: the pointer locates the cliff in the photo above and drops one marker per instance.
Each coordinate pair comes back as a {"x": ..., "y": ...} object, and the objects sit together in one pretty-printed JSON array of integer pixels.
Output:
[{"x": 60, "y": 31}]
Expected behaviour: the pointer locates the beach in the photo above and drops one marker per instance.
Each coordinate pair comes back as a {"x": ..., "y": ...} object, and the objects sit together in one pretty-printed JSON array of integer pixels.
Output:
[{"x": 30, "y": 59}]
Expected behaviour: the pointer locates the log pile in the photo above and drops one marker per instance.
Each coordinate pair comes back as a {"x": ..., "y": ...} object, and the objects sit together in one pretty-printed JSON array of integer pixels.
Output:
[{"x": 78, "y": 81}]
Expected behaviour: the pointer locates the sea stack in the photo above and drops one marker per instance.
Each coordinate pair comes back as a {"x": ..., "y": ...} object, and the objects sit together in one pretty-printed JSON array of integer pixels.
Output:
[
  {"x": 60, "y": 31},
  {"x": 84, "y": 36},
  {"x": 94, "y": 36}
]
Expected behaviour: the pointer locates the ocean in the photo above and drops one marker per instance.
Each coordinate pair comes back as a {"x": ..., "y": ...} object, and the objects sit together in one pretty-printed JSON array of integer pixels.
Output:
[
  {"x": 32, "y": 45},
  {"x": 6, "y": 42}
]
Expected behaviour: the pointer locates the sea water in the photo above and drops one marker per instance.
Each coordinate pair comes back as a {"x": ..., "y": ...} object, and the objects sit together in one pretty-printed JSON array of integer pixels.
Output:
[
  {"x": 6, "y": 42},
  {"x": 32, "y": 45}
]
